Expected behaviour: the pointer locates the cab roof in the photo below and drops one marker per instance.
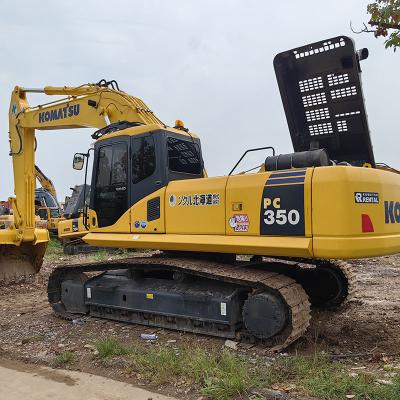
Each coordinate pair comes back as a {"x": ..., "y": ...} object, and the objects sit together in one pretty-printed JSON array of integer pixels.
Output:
[{"x": 137, "y": 130}]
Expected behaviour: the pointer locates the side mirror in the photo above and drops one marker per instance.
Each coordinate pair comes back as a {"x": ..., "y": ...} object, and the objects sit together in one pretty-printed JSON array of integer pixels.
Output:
[{"x": 79, "y": 161}]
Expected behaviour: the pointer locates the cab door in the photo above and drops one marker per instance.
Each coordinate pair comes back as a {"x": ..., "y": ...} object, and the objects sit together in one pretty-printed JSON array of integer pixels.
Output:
[
  {"x": 110, "y": 197},
  {"x": 148, "y": 180}
]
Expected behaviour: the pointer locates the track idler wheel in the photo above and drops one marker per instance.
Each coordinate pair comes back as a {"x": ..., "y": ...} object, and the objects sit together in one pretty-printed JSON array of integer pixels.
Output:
[
  {"x": 265, "y": 315},
  {"x": 327, "y": 285},
  {"x": 65, "y": 293}
]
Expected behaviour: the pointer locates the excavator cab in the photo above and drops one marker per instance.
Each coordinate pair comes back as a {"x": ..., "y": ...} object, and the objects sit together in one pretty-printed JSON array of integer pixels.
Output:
[
  {"x": 46, "y": 200},
  {"x": 131, "y": 163}
]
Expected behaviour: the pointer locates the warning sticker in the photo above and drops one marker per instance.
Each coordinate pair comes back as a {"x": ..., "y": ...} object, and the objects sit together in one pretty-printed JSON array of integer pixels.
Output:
[
  {"x": 223, "y": 309},
  {"x": 75, "y": 225}
]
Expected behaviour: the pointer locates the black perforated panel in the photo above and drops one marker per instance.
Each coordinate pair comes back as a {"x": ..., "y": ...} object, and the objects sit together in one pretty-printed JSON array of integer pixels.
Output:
[
  {"x": 321, "y": 93},
  {"x": 153, "y": 209}
]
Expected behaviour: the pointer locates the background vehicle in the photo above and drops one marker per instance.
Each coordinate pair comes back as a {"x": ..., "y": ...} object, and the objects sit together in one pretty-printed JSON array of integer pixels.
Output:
[
  {"x": 243, "y": 255},
  {"x": 5, "y": 215},
  {"x": 48, "y": 207},
  {"x": 72, "y": 229},
  {"x": 4, "y": 210}
]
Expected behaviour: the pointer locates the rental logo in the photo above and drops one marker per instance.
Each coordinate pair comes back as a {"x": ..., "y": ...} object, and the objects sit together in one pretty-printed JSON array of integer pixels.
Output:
[
  {"x": 392, "y": 212},
  {"x": 60, "y": 113}
]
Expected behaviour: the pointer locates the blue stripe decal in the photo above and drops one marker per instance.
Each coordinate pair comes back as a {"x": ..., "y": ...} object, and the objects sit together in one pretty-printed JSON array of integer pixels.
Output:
[
  {"x": 284, "y": 181},
  {"x": 287, "y": 174}
]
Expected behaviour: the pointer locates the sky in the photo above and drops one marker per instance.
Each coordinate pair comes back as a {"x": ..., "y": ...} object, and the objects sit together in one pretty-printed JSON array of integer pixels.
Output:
[{"x": 206, "y": 62}]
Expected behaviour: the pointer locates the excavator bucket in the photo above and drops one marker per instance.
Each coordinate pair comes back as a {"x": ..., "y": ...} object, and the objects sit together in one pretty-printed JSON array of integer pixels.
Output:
[
  {"x": 23, "y": 260},
  {"x": 20, "y": 261}
]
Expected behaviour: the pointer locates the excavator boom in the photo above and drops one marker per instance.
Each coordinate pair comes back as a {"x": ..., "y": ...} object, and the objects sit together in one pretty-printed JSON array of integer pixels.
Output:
[{"x": 91, "y": 105}]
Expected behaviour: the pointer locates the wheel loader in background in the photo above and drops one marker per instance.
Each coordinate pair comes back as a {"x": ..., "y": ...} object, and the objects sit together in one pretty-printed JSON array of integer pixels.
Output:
[{"x": 242, "y": 255}]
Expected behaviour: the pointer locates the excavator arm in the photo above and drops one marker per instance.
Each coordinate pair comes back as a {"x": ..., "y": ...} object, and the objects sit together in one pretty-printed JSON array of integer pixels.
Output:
[
  {"x": 45, "y": 182},
  {"x": 86, "y": 106}
]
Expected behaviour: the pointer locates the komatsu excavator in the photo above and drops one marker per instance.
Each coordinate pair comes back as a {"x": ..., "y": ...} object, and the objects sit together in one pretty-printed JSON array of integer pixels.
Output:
[
  {"x": 242, "y": 255},
  {"x": 74, "y": 225},
  {"x": 46, "y": 182},
  {"x": 49, "y": 209}
]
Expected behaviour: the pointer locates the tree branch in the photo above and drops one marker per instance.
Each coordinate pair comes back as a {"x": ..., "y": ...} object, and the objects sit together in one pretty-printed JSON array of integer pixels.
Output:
[
  {"x": 365, "y": 29},
  {"x": 384, "y": 25}
]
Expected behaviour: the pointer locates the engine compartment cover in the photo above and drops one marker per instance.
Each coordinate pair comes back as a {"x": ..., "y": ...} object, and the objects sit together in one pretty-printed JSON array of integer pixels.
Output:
[{"x": 320, "y": 87}]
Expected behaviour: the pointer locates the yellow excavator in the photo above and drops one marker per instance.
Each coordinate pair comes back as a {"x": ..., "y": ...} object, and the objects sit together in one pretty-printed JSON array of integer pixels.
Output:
[
  {"x": 73, "y": 227},
  {"x": 48, "y": 207},
  {"x": 6, "y": 217},
  {"x": 241, "y": 256},
  {"x": 45, "y": 182}
]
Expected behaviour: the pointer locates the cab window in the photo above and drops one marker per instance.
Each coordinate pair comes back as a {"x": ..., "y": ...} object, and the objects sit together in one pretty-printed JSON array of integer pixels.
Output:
[
  {"x": 143, "y": 158},
  {"x": 111, "y": 194},
  {"x": 112, "y": 166},
  {"x": 183, "y": 156}
]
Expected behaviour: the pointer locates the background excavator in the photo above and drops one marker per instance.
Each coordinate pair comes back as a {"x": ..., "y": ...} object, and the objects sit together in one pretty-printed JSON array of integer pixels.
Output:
[
  {"x": 48, "y": 208},
  {"x": 72, "y": 228},
  {"x": 6, "y": 217},
  {"x": 242, "y": 255},
  {"x": 67, "y": 223}
]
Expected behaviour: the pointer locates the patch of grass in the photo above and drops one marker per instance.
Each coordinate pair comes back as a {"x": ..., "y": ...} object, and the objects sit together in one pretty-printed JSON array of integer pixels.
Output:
[
  {"x": 54, "y": 249},
  {"x": 224, "y": 375},
  {"x": 221, "y": 375},
  {"x": 110, "y": 347},
  {"x": 101, "y": 255},
  {"x": 230, "y": 377},
  {"x": 63, "y": 358},
  {"x": 318, "y": 376},
  {"x": 105, "y": 254},
  {"x": 160, "y": 365}
]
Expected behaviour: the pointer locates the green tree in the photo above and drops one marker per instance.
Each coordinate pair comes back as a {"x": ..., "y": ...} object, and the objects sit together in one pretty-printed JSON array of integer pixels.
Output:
[{"x": 385, "y": 21}]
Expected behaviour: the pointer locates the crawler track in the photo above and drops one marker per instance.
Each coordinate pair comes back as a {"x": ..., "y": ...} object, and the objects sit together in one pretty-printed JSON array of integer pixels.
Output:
[
  {"x": 350, "y": 276},
  {"x": 329, "y": 283},
  {"x": 244, "y": 274}
]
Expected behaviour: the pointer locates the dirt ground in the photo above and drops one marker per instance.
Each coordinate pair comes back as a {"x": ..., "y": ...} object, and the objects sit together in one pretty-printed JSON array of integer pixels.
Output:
[{"x": 368, "y": 326}]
